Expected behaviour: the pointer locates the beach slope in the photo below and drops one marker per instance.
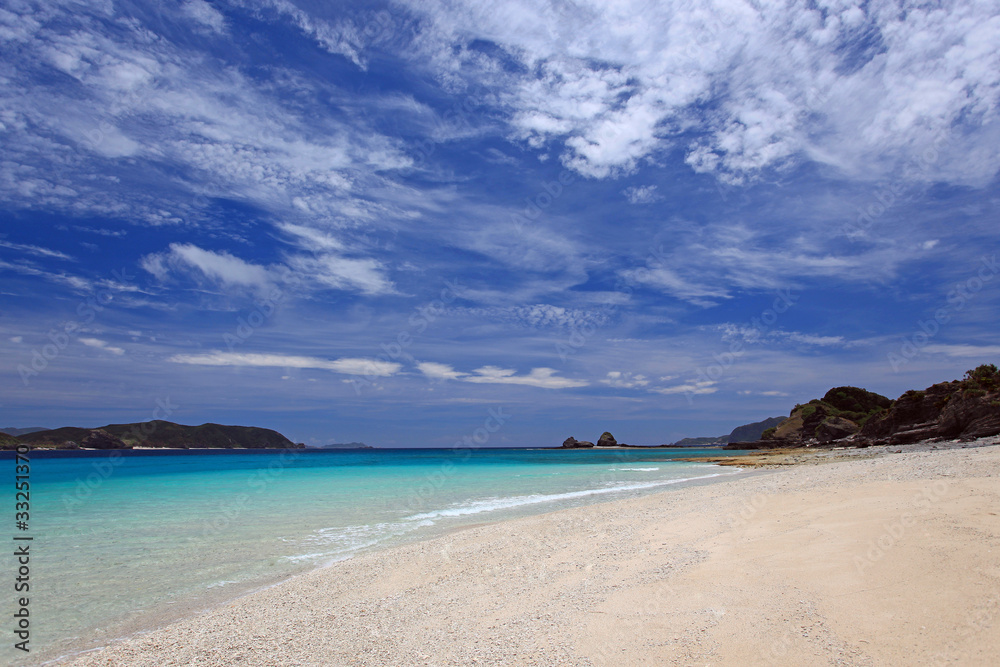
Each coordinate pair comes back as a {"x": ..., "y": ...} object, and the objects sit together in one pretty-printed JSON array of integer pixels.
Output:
[{"x": 878, "y": 561}]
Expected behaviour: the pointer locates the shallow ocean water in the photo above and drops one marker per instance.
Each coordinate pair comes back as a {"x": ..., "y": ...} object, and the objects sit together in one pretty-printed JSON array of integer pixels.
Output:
[{"x": 119, "y": 538}]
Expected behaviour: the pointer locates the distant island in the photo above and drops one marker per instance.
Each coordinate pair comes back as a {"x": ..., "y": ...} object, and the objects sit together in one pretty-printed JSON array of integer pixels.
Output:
[
  {"x": 341, "y": 445},
  {"x": 156, "y": 434},
  {"x": 746, "y": 432}
]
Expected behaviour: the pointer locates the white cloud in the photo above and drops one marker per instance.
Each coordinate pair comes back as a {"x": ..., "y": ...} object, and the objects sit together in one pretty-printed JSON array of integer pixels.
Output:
[
  {"x": 219, "y": 267},
  {"x": 693, "y": 290},
  {"x": 867, "y": 90},
  {"x": 985, "y": 352},
  {"x": 624, "y": 380},
  {"x": 695, "y": 388},
  {"x": 312, "y": 239},
  {"x": 346, "y": 365},
  {"x": 38, "y": 251},
  {"x": 748, "y": 392},
  {"x": 324, "y": 270},
  {"x": 760, "y": 334},
  {"x": 538, "y": 377},
  {"x": 205, "y": 14},
  {"x": 541, "y": 316},
  {"x": 645, "y": 194},
  {"x": 16, "y": 339},
  {"x": 329, "y": 270},
  {"x": 437, "y": 371},
  {"x": 544, "y": 378},
  {"x": 102, "y": 345},
  {"x": 341, "y": 37}
]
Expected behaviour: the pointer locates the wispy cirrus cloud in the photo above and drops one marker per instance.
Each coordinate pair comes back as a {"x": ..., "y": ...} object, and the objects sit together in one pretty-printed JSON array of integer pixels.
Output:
[
  {"x": 102, "y": 345},
  {"x": 965, "y": 351},
  {"x": 37, "y": 251},
  {"x": 625, "y": 380},
  {"x": 346, "y": 365},
  {"x": 698, "y": 388}
]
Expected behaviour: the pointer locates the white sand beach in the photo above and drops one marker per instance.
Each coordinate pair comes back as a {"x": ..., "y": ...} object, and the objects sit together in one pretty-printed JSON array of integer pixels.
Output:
[{"x": 890, "y": 560}]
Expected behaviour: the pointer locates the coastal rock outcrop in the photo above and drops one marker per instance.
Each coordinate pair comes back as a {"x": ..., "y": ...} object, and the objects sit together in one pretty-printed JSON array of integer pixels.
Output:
[
  {"x": 835, "y": 428},
  {"x": 968, "y": 408},
  {"x": 573, "y": 443},
  {"x": 607, "y": 440},
  {"x": 848, "y": 416}
]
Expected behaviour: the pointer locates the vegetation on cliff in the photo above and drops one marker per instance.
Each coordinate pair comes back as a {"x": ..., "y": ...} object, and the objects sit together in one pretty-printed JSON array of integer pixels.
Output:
[
  {"x": 967, "y": 408},
  {"x": 159, "y": 434}
]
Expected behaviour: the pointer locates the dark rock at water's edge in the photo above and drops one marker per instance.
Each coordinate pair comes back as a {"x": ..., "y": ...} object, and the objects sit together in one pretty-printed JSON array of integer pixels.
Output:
[
  {"x": 848, "y": 416},
  {"x": 157, "y": 434},
  {"x": 101, "y": 439},
  {"x": 607, "y": 440},
  {"x": 573, "y": 443}
]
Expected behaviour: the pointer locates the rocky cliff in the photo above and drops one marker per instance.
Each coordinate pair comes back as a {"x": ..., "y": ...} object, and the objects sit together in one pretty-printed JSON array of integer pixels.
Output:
[{"x": 849, "y": 416}]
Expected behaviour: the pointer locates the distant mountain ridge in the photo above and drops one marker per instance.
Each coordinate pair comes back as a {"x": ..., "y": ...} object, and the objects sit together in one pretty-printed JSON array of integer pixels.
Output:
[
  {"x": 158, "y": 434},
  {"x": 751, "y": 431},
  {"x": 17, "y": 432}
]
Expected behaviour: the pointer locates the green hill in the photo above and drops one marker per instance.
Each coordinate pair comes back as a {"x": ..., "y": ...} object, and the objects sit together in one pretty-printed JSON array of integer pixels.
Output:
[{"x": 160, "y": 434}]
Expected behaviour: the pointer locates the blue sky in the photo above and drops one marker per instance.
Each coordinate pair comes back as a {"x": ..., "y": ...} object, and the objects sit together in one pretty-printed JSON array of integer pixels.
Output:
[{"x": 377, "y": 222}]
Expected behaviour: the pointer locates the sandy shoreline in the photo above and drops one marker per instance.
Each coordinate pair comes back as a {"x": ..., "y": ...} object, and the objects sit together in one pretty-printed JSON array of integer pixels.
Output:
[{"x": 880, "y": 560}]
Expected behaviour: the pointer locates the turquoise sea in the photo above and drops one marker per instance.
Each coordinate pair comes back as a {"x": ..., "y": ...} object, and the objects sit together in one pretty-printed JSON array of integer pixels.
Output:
[{"x": 127, "y": 541}]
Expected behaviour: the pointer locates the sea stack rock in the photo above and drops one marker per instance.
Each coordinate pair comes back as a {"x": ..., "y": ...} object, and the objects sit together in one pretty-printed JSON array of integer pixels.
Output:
[
  {"x": 573, "y": 443},
  {"x": 607, "y": 440}
]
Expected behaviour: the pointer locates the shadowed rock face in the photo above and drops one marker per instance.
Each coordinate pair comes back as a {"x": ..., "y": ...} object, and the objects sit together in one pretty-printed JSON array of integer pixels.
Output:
[
  {"x": 101, "y": 439},
  {"x": 835, "y": 428},
  {"x": 607, "y": 440},
  {"x": 964, "y": 409},
  {"x": 573, "y": 443}
]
